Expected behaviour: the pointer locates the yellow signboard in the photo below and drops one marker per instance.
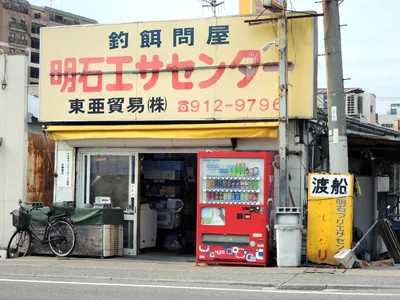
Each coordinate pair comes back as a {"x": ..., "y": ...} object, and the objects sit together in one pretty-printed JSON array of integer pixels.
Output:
[
  {"x": 330, "y": 216},
  {"x": 206, "y": 69},
  {"x": 250, "y": 7}
]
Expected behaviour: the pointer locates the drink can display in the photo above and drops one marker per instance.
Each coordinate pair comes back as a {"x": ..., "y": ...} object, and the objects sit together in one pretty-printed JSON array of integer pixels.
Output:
[
  {"x": 230, "y": 170},
  {"x": 251, "y": 197},
  {"x": 251, "y": 172},
  {"x": 251, "y": 185},
  {"x": 208, "y": 196},
  {"x": 255, "y": 185},
  {"x": 229, "y": 196},
  {"x": 212, "y": 195},
  {"x": 235, "y": 184},
  {"x": 256, "y": 171},
  {"x": 225, "y": 196}
]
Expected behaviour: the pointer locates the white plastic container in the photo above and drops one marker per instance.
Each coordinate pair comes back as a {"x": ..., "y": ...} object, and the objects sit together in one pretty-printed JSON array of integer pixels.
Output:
[
  {"x": 288, "y": 245},
  {"x": 288, "y": 216},
  {"x": 174, "y": 204}
]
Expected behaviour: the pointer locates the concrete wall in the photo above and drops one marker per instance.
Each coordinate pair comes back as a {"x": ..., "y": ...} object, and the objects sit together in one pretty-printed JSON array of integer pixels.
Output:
[
  {"x": 364, "y": 207},
  {"x": 13, "y": 152},
  {"x": 387, "y": 119},
  {"x": 297, "y": 164}
]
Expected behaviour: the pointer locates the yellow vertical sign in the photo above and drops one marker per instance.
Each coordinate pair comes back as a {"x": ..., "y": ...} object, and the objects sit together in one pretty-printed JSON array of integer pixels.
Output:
[
  {"x": 330, "y": 216},
  {"x": 250, "y": 7}
]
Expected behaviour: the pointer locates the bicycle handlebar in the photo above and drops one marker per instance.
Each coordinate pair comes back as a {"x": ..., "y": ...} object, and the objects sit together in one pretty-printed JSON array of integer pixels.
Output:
[{"x": 28, "y": 211}]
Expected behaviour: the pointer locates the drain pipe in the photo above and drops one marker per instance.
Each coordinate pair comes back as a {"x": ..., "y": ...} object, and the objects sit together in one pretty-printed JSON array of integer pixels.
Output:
[{"x": 4, "y": 81}]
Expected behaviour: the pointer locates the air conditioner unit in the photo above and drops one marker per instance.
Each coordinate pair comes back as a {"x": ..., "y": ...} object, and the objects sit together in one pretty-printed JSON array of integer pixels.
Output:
[{"x": 354, "y": 104}]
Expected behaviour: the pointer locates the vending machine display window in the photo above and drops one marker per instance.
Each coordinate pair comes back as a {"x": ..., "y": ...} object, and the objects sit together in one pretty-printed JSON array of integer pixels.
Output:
[{"x": 231, "y": 180}]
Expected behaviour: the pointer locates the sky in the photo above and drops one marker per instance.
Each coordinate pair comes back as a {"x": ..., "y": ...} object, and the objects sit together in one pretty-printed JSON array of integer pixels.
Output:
[{"x": 370, "y": 39}]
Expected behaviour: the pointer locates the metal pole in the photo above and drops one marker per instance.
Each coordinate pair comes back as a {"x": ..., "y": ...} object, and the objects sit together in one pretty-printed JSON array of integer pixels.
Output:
[
  {"x": 283, "y": 111},
  {"x": 338, "y": 155}
]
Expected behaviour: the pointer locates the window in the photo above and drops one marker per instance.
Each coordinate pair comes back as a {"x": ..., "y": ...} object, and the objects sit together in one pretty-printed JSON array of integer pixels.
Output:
[
  {"x": 371, "y": 108},
  {"x": 38, "y": 16},
  {"x": 35, "y": 58},
  {"x": 22, "y": 37},
  {"x": 12, "y": 50},
  {"x": 35, "y": 43},
  {"x": 34, "y": 72},
  {"x": 36, "y": 29},
  {"x": 51, "y": 17},
  {"x": 12, "y": 35},
  {"x": 22, "y": 22},
  {"x": 13, "y": 20}
]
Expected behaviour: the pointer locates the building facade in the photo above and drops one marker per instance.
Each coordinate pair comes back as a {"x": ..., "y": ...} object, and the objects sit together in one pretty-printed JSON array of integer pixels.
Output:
[
  {"x": 13, "y": 140},
  {"x": 359, "y": 105},
  {"x": 20, "y": 24},
  {"x": 173, "y": 99}
]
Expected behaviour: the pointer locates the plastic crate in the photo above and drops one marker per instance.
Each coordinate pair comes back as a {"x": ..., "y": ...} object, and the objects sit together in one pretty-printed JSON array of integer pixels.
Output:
[
  {"x": 21, "y": 219},
  {"x": 66, "y": 208}
]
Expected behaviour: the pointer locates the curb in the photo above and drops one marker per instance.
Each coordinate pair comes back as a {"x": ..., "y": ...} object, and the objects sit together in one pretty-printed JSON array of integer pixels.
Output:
[
  {"x": 263, "y": 285},
  {"x": 321, "y": 287}
]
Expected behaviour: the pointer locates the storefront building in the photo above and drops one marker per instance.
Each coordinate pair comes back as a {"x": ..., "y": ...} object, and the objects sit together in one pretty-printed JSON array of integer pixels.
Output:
[{"x": 131, "y": 105}]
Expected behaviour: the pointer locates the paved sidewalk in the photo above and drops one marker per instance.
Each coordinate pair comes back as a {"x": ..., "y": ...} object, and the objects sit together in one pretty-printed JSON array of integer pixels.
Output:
[{"x": 177, "y": 272}]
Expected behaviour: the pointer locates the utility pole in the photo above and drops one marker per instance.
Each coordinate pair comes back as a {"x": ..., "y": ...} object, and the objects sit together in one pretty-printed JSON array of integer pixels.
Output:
[
  {"x": 283, "y": 112},
  {"x": 338, "y": 155}
]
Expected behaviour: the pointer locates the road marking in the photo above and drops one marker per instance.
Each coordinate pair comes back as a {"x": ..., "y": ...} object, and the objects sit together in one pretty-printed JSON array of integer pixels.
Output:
[{"x": 267, "y": 291}]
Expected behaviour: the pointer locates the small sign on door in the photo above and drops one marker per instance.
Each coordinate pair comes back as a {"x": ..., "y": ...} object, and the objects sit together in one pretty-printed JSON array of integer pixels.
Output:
[{"x": 64, "y": 169}]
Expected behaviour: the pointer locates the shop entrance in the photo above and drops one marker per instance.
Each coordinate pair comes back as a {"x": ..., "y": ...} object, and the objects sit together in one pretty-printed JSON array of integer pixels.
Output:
[
  {"x": 111, "y": 178},
  {"x": 158, "y": 192},
  {"x": 168, "y": 197}
]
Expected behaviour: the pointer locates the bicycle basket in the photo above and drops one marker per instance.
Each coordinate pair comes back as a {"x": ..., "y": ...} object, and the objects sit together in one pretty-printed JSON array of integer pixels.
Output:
[
  {"x": 21, "y": 219},
  {"x": 66, "y": 208}
]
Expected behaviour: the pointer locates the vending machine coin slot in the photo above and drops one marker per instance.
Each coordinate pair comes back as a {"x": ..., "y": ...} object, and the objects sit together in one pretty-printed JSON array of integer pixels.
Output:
[{"x": 239, "y": 216}]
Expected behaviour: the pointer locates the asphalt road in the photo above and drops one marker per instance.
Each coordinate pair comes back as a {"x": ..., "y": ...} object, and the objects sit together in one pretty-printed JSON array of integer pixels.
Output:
[{"x": 32, "y": 288}]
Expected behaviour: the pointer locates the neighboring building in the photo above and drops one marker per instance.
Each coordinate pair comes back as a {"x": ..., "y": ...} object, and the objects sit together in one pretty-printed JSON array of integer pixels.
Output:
[
  {"x": 26, "y": 172},
  {"x": 393, "y": 109},
  {"x": 13, "y": 139},
  {"x": 388, "y": 120},
  {"x": 392, "y": 116},
  {"x": 359, "y": 105},
  {"x": 20, "y": 25}
]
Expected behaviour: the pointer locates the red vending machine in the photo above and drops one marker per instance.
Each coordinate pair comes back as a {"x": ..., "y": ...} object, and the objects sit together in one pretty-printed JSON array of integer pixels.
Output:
[{"x": 235, "y": 192}]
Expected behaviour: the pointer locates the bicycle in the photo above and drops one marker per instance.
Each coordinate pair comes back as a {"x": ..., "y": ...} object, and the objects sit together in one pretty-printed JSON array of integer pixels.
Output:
[{"x": 59, "y": 232}]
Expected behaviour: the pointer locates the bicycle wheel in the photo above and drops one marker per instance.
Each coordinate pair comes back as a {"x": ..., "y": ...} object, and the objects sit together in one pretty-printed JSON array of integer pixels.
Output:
[
  {"x": 19, "y": 244},
  {"x": 62, "y": 238}
]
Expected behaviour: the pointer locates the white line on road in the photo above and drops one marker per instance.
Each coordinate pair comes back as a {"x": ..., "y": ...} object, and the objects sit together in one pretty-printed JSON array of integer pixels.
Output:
[{"x": 268, "y": 291}]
